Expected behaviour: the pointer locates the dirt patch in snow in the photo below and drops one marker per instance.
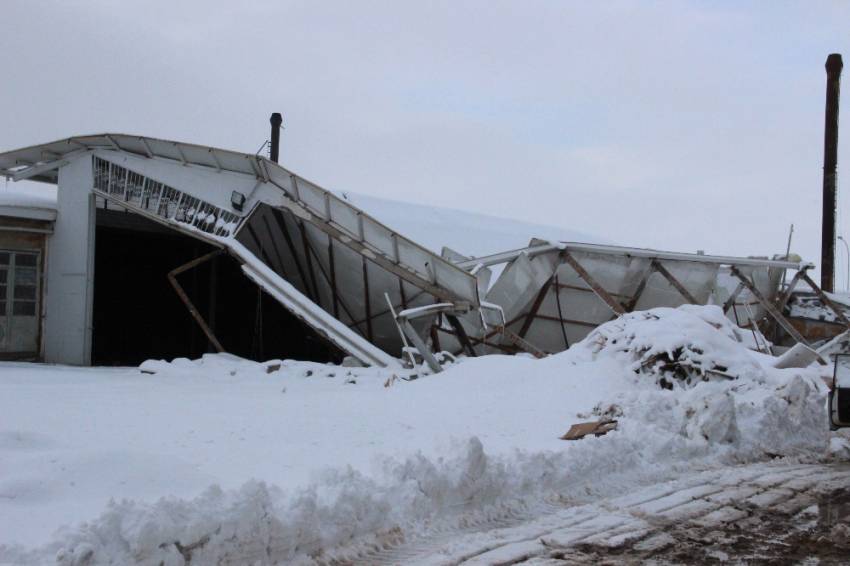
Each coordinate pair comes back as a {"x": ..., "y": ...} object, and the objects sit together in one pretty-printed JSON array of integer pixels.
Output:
[{"x": 817, "y": 534}]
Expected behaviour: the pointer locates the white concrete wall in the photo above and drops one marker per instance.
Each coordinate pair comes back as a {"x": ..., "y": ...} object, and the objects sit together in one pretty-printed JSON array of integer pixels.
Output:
[{"x": 69, "y": 292}]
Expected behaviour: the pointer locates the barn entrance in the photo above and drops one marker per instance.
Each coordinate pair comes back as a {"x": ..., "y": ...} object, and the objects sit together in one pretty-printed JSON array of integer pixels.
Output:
[{"x": 138, "y": 314}]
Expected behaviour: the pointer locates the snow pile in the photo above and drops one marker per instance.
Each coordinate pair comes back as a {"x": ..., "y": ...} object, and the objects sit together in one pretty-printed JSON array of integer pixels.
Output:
[
  {"x": 651, "y": 371},
  {"x": 687, "y": 344},
  {"x": 725, "y": 400}
]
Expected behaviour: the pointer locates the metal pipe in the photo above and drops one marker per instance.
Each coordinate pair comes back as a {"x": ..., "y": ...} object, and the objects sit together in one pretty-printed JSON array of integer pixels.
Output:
[
  {"x": 276, "y": 121},
  {"x": 504, "y": 257},
  {"x": 834, "y": 65}
]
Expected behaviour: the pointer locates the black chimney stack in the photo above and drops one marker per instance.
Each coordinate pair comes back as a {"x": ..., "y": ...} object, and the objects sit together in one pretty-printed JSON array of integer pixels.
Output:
[
  {"x": 830, "y": 162},
  {"x": 276, "y": 121}
]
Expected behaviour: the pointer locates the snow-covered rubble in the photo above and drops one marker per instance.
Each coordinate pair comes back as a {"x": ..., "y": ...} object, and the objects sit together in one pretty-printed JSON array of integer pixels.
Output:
[
  {"x": 476, "y": 442},
  {"x": 686, "y": 344}
]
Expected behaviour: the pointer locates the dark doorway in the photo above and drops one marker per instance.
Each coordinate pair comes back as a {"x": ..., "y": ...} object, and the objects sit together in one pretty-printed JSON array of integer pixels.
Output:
[{"x": 138, "y": 315}]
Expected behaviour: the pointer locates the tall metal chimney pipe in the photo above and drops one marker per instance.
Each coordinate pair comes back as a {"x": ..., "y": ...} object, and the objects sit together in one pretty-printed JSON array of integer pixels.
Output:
[
  {"x": 276, "y": 121},
  {"x": 834, "y": 64}
]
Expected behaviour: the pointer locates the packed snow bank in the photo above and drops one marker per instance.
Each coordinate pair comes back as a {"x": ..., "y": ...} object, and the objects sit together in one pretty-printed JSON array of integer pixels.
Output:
[{"x": 474, "y": 443}]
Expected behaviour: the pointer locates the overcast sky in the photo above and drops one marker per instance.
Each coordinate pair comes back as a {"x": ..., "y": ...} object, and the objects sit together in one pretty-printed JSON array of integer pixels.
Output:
[{"x": 671, "y": 125}]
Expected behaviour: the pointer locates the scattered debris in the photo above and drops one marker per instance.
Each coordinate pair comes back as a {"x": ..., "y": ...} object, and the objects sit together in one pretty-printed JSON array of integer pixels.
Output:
[
  {"x": 596, "y": 428},
  {"x": 798, "y": 356},
  {"x": 683, "y": 346}
]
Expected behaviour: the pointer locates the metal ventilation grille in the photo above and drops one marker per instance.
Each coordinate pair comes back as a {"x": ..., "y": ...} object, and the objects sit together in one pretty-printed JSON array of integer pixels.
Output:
[{"x": 130, "y": 188}]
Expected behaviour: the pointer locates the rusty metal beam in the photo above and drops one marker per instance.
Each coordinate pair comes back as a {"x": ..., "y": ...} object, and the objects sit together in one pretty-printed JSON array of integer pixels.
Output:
[
  {"x": 462, "y": 336},
  {"x": 172, "y": 278},
  {"x": 560, "y": 312},
  {"x": 567, "y": 320},
  {"x": 586, "y": 290},
  {"x": 630, "y": 306},
  {"x": 591, "y": 282},
  {"x": 730, "y": 302},
  {"x": 777, "y": 316},
  {"x": 674, "y": 282},
  {"x": 435, "y": 338}
]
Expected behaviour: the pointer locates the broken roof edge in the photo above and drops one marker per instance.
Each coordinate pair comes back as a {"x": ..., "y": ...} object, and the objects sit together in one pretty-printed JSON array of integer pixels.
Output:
[
  {"x": 34, "y": 157},
  {"x": 57, "y": 149},
  {"x": 504, "y": 257}
]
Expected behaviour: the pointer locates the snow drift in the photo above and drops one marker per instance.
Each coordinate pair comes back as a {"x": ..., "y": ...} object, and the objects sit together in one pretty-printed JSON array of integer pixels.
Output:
[{"x": 686, "y": 390}]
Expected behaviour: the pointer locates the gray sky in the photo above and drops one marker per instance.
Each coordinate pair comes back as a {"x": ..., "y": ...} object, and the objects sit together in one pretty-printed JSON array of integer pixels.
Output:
[{"x": 672, "y": 125}]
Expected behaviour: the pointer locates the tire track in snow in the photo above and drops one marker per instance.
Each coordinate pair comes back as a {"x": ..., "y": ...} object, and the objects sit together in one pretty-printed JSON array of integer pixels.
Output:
[{"x": 541, "y": 528}]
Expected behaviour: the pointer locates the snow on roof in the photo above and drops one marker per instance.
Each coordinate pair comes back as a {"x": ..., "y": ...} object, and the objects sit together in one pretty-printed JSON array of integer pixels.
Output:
[
  {"x": 432, "y": 227},
  {"x": 469, "y": 233},
  {"x": 28, "y": 200}
]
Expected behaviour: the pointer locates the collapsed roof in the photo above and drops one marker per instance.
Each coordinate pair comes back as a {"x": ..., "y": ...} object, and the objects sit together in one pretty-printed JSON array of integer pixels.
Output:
[{"x": 371, "y": 291}]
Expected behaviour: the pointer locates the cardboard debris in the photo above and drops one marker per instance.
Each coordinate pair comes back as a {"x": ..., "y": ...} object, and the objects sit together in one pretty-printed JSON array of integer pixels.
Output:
[{"x": 596, "y": 428}]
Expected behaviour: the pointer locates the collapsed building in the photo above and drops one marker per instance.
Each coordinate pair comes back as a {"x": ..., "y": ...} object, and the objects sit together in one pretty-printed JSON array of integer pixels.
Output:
[{"x": 160, "y": 249}]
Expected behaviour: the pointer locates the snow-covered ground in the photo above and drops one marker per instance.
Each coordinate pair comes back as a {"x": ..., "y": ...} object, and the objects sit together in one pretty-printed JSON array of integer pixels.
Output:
[{"x": 222, "y": 460}]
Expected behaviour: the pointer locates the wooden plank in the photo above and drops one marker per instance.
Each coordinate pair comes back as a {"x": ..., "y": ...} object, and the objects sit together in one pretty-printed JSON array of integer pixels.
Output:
[
  {"x": 783, "y": 299},
  {"x": 585, "y": 289},
  {"x": 524, "y": 344},
  {"x": 730, "y": 302},
  {"x": 462, "y": 336},
  {"x": 560, "y": 312},
  {"x": 674, "y": 282},
  {"x": 172, "y": 278},
  {"x": 597, "y": 288},
  {"x": 567, "y": 320},
  {"x": 777, "y": 316},
  {"x": 535, "y": 306},
  {"x": 826, "y": 300},
  {"x": 630, "y": 306}
]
